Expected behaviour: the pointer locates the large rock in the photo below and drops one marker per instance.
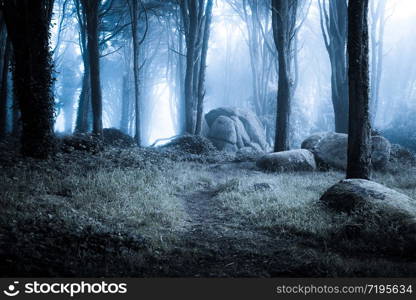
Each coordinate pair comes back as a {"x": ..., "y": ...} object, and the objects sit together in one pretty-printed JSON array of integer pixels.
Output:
[
  {"x": 380, "y": 154},
  {"x": 350, "y": 194},
  {"x": 401, "y": 156},
  {"x": 330, "y": 149},
  {"x": 231, "y": 129},
  {"x": 223, "y": 134},
  {"x": 378, "y": 214},
  {"x": 293, "y": 160}
]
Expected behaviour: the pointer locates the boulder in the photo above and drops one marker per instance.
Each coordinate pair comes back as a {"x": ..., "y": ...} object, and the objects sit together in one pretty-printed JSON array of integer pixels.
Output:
[
  {"x": 401, "y": 156},
  {"x": 380, "y": 154},
  {"x": 353, "y": 194},
  {"x": 223, "y": 134},
  {"x": 292, "y": 160},
  {"x": 231, "y": 129},
  {"x": 247, "y": 154},
  {"x": 330, "y": 150},
  {"x": 378, "y": 214}
]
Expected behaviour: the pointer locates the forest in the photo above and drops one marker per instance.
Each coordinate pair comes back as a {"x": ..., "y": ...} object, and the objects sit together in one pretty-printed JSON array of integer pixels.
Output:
[{"x": 207, "y": 138}]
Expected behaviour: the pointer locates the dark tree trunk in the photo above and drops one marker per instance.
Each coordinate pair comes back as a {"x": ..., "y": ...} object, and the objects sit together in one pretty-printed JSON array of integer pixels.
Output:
[
  {"x": 125, "y": 105},
  {"x": 334, "y": 29},
  {"x": 136, "y": 45},
  {"x": 181, "y": 85},
  {"x": 84, "y": 103},
  {"x": 82, "y": 123},
  {"x": 28, "y": 28},
  {"x": 359, "y": 132},
  {"x": 91, "y": 8},
  {"x": 284, "y": 14},
  {"x": 189, "y": 14},
  {"x": 202, "y": 69},
  {"x": 5, "y": 51}
]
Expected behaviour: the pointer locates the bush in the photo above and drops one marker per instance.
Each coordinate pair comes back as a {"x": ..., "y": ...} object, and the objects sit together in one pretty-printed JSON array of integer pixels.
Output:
[
  {"x": 193, "y": 144},
  {"x": 116, "y": 138},
  {"x": 82, "y": 142}
]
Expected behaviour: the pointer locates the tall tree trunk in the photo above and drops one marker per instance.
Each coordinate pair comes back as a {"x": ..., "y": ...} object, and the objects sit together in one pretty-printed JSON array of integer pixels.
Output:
[
  {"x": 28, "y": 28},
  {"x": 125, "y": 105},
  {"x": 334, "y": 30},
  {"x": 181, "y": 83},
  {"x": 284, "y": 14},
  {"x": 377, "y": 45},
  {"x": 189, "y": 15},
  {"x": 136, "y": 45},
  {"x": 359, "y": 132},
  {"x": 84, "y": 102},
  {"x": 4, "y": 86},
  {"x": 91, "y": 8},
  {"x": 204, "y": 52}
]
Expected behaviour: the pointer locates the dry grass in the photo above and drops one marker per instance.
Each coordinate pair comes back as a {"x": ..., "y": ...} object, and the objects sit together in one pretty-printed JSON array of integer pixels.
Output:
[
  {"x": 145, "y": 198},
  {"x": 138, "y": 201}
]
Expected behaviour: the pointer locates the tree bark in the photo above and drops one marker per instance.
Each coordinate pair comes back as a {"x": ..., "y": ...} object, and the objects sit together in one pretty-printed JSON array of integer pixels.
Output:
[
  {"x": 284, "y": 14},
  {"x": 202, "y": 69},
  {"x": 4, "y": 84},
  {"x": 359, "y": 132},
  {"x": 189, "y": 10},
  {"x": 84, "y": 103},
  {"x": 125, "y": 105},
  {"x": 334, "y": 29},
  {"x": 91, "y": 8},
  {"x": 377, "y": 45},
  {"x": 27, "y": 24},
  {"x": 135, "y": 35}
]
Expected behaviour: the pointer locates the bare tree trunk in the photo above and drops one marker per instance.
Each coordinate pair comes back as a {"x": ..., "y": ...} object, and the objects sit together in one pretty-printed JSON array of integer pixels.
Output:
[
  {"x": 125, "y": 104},
  {"x": 84, "y": 102},
  {"x": 284, "y": 14},
  {"x": 377, "y": 43},
  {"x": 135, "y": 33},
  {"x": 4, "y": 84},
  {"x": 181, "y": 83},
  {"x": 28, "y": 28},
  {"x": 91, "y": 8},
  {"x": 359, "y": 132},
  {"x": 189, "y": 16},
  {"x": 204, "y": 52},
  {"x": 334, "y": 30}
]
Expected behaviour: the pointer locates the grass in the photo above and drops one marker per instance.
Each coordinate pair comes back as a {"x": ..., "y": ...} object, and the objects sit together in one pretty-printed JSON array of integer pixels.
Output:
[
  {"x": 259, "y": 223},
  {"x": 137, "y": 201}
]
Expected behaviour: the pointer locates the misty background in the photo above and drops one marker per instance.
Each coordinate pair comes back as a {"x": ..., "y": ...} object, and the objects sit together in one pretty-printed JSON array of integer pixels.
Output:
[{"x": 238, "y": 73}]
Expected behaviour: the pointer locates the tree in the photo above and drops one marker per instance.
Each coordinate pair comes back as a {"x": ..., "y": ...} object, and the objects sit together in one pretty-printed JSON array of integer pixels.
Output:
[
  {"x": 193, "y": 20},
  {"x": 377, "y": 24},
  {"x": 84, "y": 105},
  {"x": 359, "y": 132},
  {"x": 91, "y": 8},
  {"x": 284, "y": 14},
  {"x": 334, "y": 30},
  {"x": 263, "y": 56},
  {"x": 203, "y": 66},
  {"x": 189, "y": 10},
  {"x": 28, "y": 24},
  {"x": 4, "y": 72},
  {"x": 134, "y": 17}
]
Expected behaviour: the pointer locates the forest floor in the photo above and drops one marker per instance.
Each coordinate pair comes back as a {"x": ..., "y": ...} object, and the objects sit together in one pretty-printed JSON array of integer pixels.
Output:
[{"x": 152, "y": 213}]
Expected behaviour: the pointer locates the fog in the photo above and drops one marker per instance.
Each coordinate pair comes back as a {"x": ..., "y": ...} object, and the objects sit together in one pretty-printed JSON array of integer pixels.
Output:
[{"x": 233, "y": 70}]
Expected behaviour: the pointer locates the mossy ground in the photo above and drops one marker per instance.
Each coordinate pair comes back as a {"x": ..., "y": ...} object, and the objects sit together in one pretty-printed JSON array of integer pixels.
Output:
[{"x": 142, "y": 212}]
